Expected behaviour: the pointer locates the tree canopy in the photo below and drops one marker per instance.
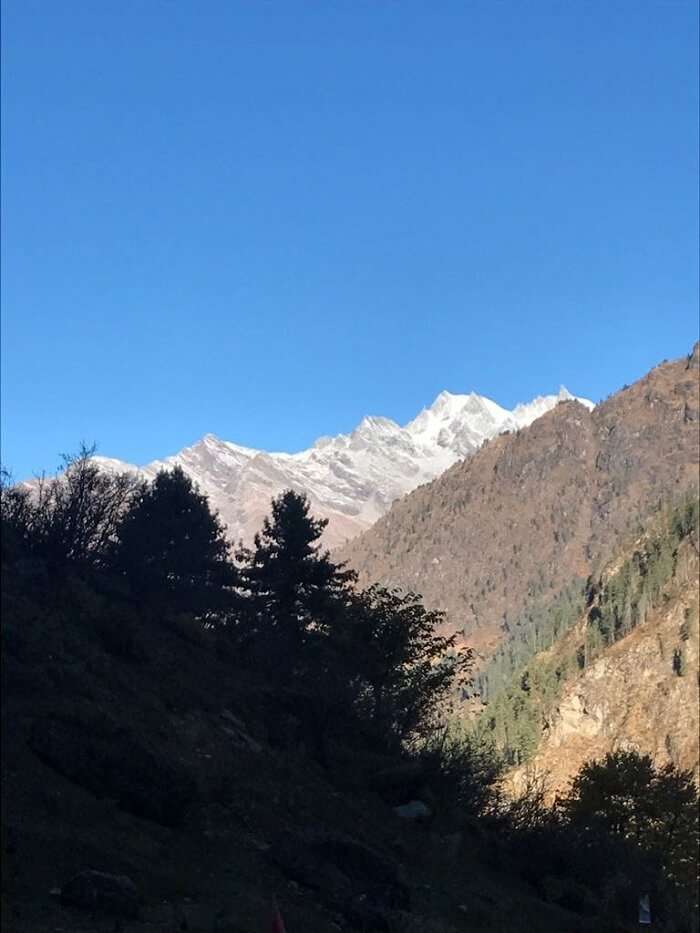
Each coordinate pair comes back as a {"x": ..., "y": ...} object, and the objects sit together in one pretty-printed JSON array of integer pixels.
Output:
[
  {"x": 171, "y": 546},
  {"x": 293, "y": 587},
  {"x": 625, "y": 794},
  {"x": 406, "y": 670},
  {"x": 72, "y": 518}
]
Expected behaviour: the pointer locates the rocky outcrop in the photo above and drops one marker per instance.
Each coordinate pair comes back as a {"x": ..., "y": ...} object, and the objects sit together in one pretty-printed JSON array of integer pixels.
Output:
[
  {"x": 641, "y": 693},
  {"x": 363, "y": 884}
]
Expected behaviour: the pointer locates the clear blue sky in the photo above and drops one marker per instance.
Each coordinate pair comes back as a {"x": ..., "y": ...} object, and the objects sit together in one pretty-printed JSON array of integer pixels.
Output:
[{"x": 267, "y": 219}]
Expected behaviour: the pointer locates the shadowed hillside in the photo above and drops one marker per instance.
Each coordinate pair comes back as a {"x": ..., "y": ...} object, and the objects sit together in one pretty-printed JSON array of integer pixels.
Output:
[{"x": 189, "y": 739}]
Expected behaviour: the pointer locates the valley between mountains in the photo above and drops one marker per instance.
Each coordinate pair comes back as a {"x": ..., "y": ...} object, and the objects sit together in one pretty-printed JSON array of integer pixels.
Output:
[
  {"x": 193, "y": 742},
  {"x": 507, "y": 543},
  {"x": 498, "y": 518}
]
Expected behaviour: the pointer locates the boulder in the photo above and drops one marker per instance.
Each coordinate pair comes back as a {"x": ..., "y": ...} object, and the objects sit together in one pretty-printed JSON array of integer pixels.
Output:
[
  {"x": 367, "y": 914},
  {"x": 414, "y": 810},
  {"x": 237, "y": 731},
  {"x": 102, "y": 893},
  {"x": 360, "y": 862}
]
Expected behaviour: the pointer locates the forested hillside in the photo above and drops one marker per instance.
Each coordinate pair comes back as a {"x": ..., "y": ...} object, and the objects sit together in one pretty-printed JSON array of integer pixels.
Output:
[
  {"x": 502, "y": 541},
  {"x": 649, "y": 589}
]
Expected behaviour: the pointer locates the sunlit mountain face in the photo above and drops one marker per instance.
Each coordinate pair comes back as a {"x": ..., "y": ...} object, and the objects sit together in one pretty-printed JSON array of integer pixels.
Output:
[{"x": 350, "y": 479}]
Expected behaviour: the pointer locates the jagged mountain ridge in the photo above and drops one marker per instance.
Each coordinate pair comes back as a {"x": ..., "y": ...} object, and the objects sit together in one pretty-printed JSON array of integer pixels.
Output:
[
  {"x": 351, "y": 479},
  {"x": 534, "y": 510}
]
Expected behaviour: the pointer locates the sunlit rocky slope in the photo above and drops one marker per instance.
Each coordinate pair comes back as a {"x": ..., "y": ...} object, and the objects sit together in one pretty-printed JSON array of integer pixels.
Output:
[
  {"x": 620, "y": 671},
  {"x": 640, "y": 693}
]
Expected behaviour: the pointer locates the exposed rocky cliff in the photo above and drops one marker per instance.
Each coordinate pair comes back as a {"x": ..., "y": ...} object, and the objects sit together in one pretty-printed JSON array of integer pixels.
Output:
[{"x": 640, "y": 693}]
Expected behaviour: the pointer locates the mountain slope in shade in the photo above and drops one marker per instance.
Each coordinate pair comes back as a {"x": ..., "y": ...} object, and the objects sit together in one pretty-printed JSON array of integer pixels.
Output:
[
  {"x": 351, "y": 479},
  {"x": 533, "y": 510}
]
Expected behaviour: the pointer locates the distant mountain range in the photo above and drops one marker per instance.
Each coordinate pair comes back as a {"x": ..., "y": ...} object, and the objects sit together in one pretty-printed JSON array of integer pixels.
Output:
[
  {"x": 533, "y": 511},
  {"x": 351, "y": 479},
  {"x": 538, "y": 534}
]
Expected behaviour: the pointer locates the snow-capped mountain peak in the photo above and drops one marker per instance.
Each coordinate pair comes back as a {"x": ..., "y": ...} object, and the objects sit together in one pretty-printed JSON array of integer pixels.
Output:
[
  {"x": 459, "y": 423},
  {"x": 352, "y": 478},
  {"x": 525, "y": 414}
]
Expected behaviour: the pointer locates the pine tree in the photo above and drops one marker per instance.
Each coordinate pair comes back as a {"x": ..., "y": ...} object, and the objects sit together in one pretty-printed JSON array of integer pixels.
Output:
[
  {"x": 294, "y": 589},
  {"x": 172, "y": 548}
]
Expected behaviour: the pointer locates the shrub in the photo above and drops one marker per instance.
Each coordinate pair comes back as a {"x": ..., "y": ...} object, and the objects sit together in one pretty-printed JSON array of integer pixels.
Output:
[{"x": 70, "y": 519}]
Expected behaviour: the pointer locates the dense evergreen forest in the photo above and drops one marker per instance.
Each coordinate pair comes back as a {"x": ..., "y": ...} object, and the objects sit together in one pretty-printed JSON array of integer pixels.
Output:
[{"x": 364, "y": 674}]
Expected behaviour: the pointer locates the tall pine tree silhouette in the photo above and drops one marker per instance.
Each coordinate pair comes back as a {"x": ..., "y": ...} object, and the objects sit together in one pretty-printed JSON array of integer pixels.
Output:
[
  {"x": 171, "y": 547},
  {"x": 295, "y": 589}
]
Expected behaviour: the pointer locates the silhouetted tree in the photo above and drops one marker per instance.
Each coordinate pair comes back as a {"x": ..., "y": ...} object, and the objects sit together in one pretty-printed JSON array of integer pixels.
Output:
[
  {"x": 70, "y": 519},
  {"x": 16, "y": 517},
  {"x": 626, "y": 795},
  {"x": 171, "y": 547},
  {"x": 406, "y": 670},
  {"x": 294, "y": 588}
]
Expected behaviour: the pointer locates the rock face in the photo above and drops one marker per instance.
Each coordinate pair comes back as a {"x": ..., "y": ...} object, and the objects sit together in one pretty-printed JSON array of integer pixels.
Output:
[
  {"x": 532, "y": 510},
  {"x": 351, "y": 479},
  {"x": 641, "y": 693}
]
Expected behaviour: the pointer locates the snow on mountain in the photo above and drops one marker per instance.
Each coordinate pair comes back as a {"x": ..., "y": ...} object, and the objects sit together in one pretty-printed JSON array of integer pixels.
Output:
[
  {"x": 526, "y": 414},
  {"x": 351, "y": 479}
]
